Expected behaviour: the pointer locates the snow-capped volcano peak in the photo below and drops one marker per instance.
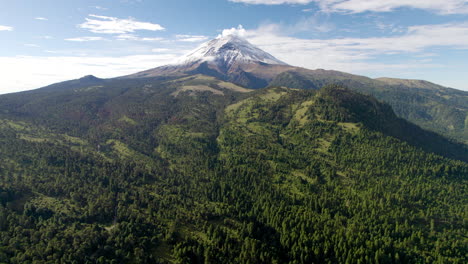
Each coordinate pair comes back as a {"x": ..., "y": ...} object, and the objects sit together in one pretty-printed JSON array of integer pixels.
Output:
[
  {"x": 228, "y": 57},
  {"x": 228, "y": 51}
]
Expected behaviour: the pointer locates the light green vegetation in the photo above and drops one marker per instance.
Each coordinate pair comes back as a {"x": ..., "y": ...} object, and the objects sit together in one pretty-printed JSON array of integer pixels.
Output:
[{"x": 127, "y": 120}]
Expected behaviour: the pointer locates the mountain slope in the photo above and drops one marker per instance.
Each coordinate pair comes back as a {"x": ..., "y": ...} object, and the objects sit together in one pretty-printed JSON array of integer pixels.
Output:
[
  {"x": 439, "y": 109},
  {"x": 231, "y": 58},
  {"x": 419, "y": 84},
  {"x": 353, "y": 107},
  {"x": 193, "y": 170}
]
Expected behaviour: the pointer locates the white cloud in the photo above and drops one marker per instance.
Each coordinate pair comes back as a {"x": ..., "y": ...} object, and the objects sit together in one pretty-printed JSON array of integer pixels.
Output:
[
  {"x": 31, "y": 45},
  {"x": 160, "y": 50},
  {"x": 191, "y": 38},
  {"x": 137, "y": 38},
  {"x": 273, "y": 2},
  {"x": 100, "y": 8},
  {"x": 5, "y": 28},
  {"x": 359, "y": 6},
  {"x": 361, "y": 55},
  {"x": 239, "y": 31},
  {"x": 41, "y": 18},
  {"x": 309, "y": 24},
  {"x": 113, "y": 25},
  {"x": 25, "y": 72},
  {"x": 85, "y": 39}
]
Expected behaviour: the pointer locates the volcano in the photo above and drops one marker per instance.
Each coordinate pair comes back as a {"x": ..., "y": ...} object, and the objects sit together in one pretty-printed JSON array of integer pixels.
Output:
[{"x": 230, "y": 58}]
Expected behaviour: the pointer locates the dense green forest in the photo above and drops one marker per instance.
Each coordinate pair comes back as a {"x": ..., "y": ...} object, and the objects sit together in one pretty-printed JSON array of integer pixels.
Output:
[
  {"x": 163, "y": 171},
  {"x": 431, "y": 106}
]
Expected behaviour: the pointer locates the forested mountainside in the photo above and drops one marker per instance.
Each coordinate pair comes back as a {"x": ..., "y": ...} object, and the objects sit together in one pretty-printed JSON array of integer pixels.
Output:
[
  {"x": 198, "y": 170},
  {"x": 234, "y": 59},
  {"x": 431, "y": 106}
]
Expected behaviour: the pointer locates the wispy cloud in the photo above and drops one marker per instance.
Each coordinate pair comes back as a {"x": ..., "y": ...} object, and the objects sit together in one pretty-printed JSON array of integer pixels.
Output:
[
  {"x": 31, "y": 45},
  {"x": 360, "y": 6},
  {"x": 308, "y": 24},
  {"x": 84, "y": 39},
  {"x": 191, "y": 38},
  {"x": 131, "y": 1},
  {"x": 133, "y": 37},
  {"x": 273, "y": 2},
  {"x": 384, "y": 27},
  {"x": 160, "y": 50},
  {"x": 113, "y": 25},
  {"x": 361, "y": 55},
  {"x": 41, "y": 18},
  {"x": 100, "y": 8},
  {"x": 6, "y": 28}
]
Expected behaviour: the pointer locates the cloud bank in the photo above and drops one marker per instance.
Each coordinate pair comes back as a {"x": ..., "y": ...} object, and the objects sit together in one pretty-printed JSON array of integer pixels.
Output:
[
  {"x": 273, "y": 2},
  {"x": 364, "y": 55},
  {"x": 113, "y": 25},
  {"x": 84, "y": 39},
  {"x": 444, "y": 7}
]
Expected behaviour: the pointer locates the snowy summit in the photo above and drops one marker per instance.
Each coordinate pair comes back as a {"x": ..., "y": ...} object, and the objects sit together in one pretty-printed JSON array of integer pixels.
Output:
[
  {"x": 228, "y": 57},
  {"x": 228, "y": 51}
]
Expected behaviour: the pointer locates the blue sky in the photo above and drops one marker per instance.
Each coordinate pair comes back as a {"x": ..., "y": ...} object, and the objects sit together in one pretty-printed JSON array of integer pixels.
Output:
[{"x": 47, "y": 41}]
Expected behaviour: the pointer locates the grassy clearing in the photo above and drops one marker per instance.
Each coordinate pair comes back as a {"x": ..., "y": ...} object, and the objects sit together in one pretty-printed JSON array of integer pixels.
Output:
[
  {"x": 324, "y": 145},
  {"x": 350, "y": 127},
  {"x": 32, "y": 138},
  {"x": 15, "y": 125},
  {"x": 60, "y": 206},
  {"x": 110, "y": 228},
  {"x": 74, "y": 140},
  {"x": 122, "y": 149},
  {"x": 301, "y": 112},
  {"x": 233, "y": 87},
  {"x": 231, "y": 108},
  {"x": 196, "y": 88},
  {"x": 272, "y": 95},
  {"x": 127, "y": 120}
]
